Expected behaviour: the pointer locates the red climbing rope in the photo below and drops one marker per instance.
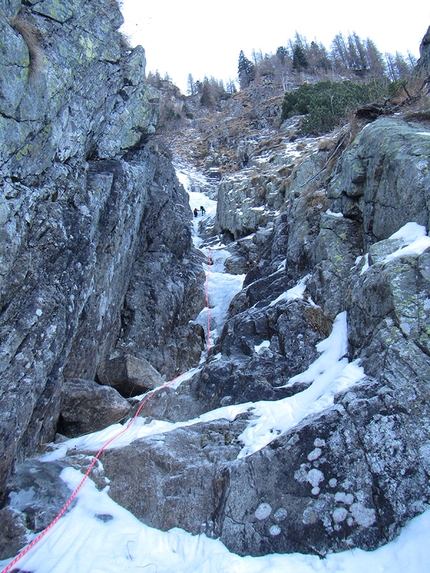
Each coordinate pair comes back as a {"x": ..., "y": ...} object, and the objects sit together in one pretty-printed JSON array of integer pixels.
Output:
[
  {"x": 98, "y": 454},
  {"x": 75, "y": 493},
  {"x": 207, "y": 300}
]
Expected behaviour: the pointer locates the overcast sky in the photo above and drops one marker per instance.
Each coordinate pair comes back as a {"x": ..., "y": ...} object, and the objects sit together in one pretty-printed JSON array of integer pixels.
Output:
[{"x": 204, "y": 38}]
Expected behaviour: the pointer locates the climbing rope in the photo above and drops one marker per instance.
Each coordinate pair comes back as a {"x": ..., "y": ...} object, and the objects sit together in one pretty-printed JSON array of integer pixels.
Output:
[
  {"x": 207, "y": 300},
  {"x": 75, "y": 493},
  {"x": 109, "y": 442}
]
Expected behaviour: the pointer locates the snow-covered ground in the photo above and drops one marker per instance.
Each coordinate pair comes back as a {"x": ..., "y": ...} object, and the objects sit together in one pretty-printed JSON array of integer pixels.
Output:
[
  {"x": 222, "y": 287},
  {"x": 99, "y": 536},
  {"x": 87, "y": 541}
]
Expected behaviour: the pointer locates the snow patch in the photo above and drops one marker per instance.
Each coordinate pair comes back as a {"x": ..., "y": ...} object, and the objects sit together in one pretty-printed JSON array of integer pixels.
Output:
[
  {"x": 365, "y": 265},
  {"x": 415, "y": 241},
  {"x": 264, "y": 344},
  {"x": 329, "y": 374},
  {"x": 338, "y": 215},
  {"x": 295, "y": 293}
]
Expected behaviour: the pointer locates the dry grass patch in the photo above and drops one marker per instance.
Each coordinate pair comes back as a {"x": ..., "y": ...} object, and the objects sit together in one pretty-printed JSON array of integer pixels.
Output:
[
  {"x": 316, "y": 200},
  {"x": 318, "y": 321},
  {"x": 32, "y": 37}
]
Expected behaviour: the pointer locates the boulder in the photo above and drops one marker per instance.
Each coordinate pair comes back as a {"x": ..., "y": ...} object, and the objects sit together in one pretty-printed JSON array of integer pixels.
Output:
[
  {"x": 13, "y": 534},
  {"x": 129, "y": 375},
  {"x": 88, "y": 407},
  {"x": 194, "y": 460}
]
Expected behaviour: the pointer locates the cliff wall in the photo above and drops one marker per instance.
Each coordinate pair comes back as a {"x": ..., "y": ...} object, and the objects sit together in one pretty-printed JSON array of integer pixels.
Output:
[{"x": 84, "y": 196}]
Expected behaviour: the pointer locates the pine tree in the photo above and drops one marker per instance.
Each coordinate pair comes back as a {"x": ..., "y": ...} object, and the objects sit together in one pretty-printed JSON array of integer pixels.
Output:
[
  {"x": 246, "y": 71},
  {"x": 300, "y": 61},
  {"x": 281, "y": 54},
  {"x": 191, "y": 85}
]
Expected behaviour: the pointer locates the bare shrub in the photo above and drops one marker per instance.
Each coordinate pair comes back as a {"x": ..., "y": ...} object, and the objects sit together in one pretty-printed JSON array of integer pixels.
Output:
[
  {"x": 125, "y": 42},
  {"x": 316, "y": 200},
  {"x": 318, "y": 321}
]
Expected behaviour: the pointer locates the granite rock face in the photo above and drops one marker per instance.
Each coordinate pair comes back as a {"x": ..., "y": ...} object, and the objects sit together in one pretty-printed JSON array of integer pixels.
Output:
[
  {"x": 383, "y": 181},
  {"x": 354, "y": 474},
  {"x": 85, "y": 199},
  {"x": 98, "y": 271}
]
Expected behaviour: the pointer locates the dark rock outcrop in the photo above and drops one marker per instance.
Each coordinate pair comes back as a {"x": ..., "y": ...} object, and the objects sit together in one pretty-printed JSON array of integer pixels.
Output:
[
  {"x": 88, "y": 407},
  {"x": 383, "y": 179},
  {"x": 86, "y": 200},
  {"x": 423, "y": 64}
]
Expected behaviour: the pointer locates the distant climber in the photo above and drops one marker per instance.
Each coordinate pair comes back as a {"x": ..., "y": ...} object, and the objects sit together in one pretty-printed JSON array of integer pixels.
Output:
[
  {"x": 202, "y": 210},
  {"x": 196, "y": 212}
]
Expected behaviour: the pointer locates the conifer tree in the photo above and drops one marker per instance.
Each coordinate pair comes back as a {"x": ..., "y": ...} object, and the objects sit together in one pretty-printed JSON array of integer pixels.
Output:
[
  {"x": 207, "y": 98},
  {"x": 300, "y": 61},
  {"x": 246, "y": 71},
  {"x": 357, "y": 57},
  {"x": 339, "y": 53},
  {"x": 282, "y": 54},
  {"x": 191, "y": 85},
  {"x": 375, "y": 59},
  {"x": 231, "y": 87},
  {"x": 317, "y": 57},
  {"x": 398, "y": 67}
]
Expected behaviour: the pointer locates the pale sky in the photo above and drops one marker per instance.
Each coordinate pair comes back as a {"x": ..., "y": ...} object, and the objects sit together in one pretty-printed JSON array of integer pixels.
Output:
[{"x": 191, "y": 36}]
